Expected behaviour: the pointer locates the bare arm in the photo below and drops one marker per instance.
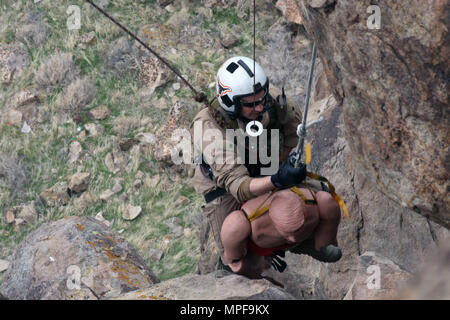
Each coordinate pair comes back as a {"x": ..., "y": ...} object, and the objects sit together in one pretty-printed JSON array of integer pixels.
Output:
[{"x": 260, "y": 186}]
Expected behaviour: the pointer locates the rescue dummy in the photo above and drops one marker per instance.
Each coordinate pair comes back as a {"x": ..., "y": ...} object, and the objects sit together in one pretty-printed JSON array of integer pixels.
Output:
[{"x": 296, "y": 220}]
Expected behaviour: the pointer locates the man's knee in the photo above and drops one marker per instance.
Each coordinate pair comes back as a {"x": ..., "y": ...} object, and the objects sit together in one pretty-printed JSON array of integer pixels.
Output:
[
  {"x": 328, "y": 207},
  {"x": 236, "y": 229}
]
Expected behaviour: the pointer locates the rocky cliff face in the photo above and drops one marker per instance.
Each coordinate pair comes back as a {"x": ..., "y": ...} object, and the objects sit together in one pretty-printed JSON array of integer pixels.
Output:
[
  {"x": 383, "y": 144},
  {"x": 393, "y": 85}
]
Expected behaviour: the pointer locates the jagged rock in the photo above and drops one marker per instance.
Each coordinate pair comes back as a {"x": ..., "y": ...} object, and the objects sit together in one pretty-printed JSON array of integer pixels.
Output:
[
  {"x": 137, "y": 183},
  {"x": 153, "y": 73},
  {"x": 120, "y": 159},
  {"x": 94, "y": 129},
  {"x": 155, "y": 254},
  {"x": 377, "y": 278},
  {"x": 74, "y": 258},
  {"x": 158, "y": 37},
  {"x": 74, "y": 152},
  {"x": 88, "y": 39},
  {"x": 25, "y": 105},
  {"x": 146, "y": 138},
  {"x": 131, "y": 212},
  {"x": 99, "y": 113},
  {"x": 14, "y": 59},
  {"x": 290, "y": 10},
  {"x": 27, "y": 212},
  {"x": 79, "y": 182},
  {"x": 9, "y": 215},
  {"x": 220, "y": 285},
  {"x": 17, "y": 223},
  {"x": 179, "y": 18},
  {"x": 23, "y": 98},
  {"x": 392, "y": 83},
  {"x": 123, "y": 197},
  {"x": 99, "y": 217},
  {"x": 4, "y": 265},
  {"x": 106, "y": 195},
  {"x": 55, "y": 196},
  {"x": 229, "y": 40},
  {"x": 117, "y": 187},
  {"x": 165, "y": 146},
  {"x": 109, "y": 162}
]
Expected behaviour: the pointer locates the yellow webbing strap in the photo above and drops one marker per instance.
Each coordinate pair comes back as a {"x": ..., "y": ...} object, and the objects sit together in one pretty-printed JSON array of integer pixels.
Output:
[
  {"x": 307, "y": 153},
  {"x": 332, "y": 192},
  {"x": 260, "y": 211},
  {"x": 301, "y": 195}
]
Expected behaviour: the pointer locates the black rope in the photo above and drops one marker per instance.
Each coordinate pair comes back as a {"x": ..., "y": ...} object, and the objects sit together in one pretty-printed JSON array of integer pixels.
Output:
[
  {"x": 199, "y": 97},
  {"x": 254, "y": 56},
  {"x": 254, "y": 49}
]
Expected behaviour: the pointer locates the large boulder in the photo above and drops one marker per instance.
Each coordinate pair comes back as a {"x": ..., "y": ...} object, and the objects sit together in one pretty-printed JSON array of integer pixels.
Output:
[
  {"x": 219, "y": 285},
  {"x": 393, "y": 84},
  {"x": 74, "y": 258}
]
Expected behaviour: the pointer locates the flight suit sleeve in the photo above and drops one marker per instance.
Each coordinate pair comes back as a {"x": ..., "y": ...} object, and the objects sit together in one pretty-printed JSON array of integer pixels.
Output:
[{"x": 221, "y": 155}]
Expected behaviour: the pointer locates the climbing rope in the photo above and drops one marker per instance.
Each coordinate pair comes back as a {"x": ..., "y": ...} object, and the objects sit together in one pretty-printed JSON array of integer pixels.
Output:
[{"x": 198, "y": 96}]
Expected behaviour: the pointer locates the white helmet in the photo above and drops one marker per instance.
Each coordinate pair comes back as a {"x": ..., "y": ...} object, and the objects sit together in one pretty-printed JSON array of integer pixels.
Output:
[{"x": 236, "y": 79}]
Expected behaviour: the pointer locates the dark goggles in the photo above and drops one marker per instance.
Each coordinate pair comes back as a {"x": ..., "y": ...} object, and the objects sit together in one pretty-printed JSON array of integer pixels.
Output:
[{"x": 255, "y": 103}]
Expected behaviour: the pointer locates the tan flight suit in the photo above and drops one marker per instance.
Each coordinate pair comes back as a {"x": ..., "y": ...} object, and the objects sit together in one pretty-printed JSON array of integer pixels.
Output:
[{"x": 234, "y": 177}]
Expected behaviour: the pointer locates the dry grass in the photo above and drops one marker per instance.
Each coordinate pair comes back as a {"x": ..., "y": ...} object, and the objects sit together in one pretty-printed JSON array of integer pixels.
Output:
[{"x": 58, "y": 69}]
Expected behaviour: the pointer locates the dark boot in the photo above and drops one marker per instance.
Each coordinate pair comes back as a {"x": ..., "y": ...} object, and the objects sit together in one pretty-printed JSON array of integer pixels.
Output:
[
  {"x": 329, "y": 253},
  {"x": 223, "y": 266}
]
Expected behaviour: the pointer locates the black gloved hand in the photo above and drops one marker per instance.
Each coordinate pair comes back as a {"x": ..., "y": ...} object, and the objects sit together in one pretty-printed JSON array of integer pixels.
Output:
[{"x": 288, "y": 176}]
